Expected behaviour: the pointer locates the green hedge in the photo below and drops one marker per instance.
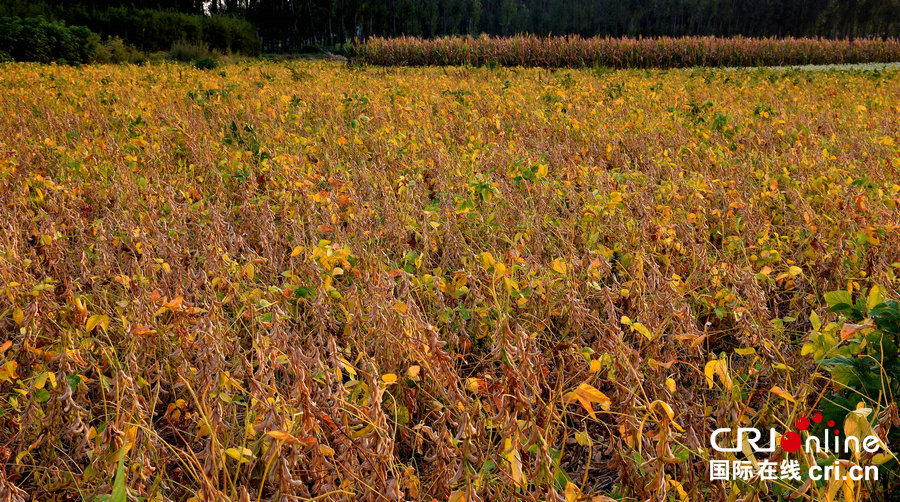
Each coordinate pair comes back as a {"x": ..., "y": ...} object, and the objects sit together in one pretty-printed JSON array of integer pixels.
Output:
[{"x": 35, "y": 39}]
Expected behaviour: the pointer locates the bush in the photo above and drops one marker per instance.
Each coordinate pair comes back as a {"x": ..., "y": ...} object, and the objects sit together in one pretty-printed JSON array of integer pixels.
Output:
[
  {"x": 116, "y": 51},
  {"x": 206, "y": 64},
  {"x": 187, "y": 52},
  {"x": 35, "y": 39}
]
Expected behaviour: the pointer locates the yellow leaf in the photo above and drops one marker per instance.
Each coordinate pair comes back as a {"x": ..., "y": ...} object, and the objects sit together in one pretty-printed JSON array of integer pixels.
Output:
[
  {"x": 794, "y": 271},
  {"x": 875, "y": 297},
  {"x": 665, "y": 407},
  {"x": 857, "y": 424},
  {"x": 8, "y": 371},
  {"x": 290, "y": 438},
  {"x": 389, "y": 378},
  {"x": 596, "y": 365},
  {"x": 282, "y": 436},
  {"x": 242, "y": 455},
  {"x": 296, "y": 252},
  {"x": 515, "y": 463},
  {"x": 347, "y": 366},
  {"x": 487, "y": 260},
  {"x": 559, "y": 265},
  {"x": 249, "y": 270},
  {"x": 815, "y": 321},
  {"x": 18, "y": 316},
  {"x": 586, "y": 395},
  {"x": 709, "y": 371},
  {"x": 640, "y": 328},
  {"x": 582, "y": 438},
  {"x": 41, "y": 380},
  {"x": 572, "y": 492},
  {"x": 457, "y": 496},
  {"x": 670, "y": 384},
  {"x": 778, "y": 391},
  {"x": 682, "y": 495},
  {"x": 413, "y": 372},
  {"x": 97, "y": 320},
  {"x": 717, "y": 367},
  {"x": 880, "y": 458}
]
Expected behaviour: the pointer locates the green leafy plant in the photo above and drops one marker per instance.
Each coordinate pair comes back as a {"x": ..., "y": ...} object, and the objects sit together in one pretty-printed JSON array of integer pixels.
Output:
[{"x": 859, "y": 351}]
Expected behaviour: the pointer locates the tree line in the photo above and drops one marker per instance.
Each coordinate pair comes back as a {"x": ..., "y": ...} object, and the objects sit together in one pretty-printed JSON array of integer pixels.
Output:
[{"x": 292, "y": 25}]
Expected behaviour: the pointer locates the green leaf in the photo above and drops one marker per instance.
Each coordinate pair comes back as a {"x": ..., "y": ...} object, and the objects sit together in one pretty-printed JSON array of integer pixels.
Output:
[
  {"x": 305, "y": 292},
  {"x": 119, "y": 493},
  {"x": 41, "y": 395},
  {"x": 401, "y": 415},
  {"x": 835, "y": 298}
]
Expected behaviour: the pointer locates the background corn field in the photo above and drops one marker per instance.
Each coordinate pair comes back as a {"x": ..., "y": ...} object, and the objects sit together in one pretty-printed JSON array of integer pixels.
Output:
[{"x": 574, "y": 51}]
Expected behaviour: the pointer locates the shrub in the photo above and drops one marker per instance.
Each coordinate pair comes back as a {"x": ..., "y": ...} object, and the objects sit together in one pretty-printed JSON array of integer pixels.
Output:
[
  {"x": 116, "y": 51},
  {"x": 187, "y": 52},
  {"x": 35, "y": 39},
  {"x": 206, "y": 64}
]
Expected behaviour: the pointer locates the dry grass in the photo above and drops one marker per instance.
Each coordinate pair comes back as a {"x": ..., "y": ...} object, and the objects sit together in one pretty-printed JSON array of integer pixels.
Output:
[{"x": 286, "y": 282}]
